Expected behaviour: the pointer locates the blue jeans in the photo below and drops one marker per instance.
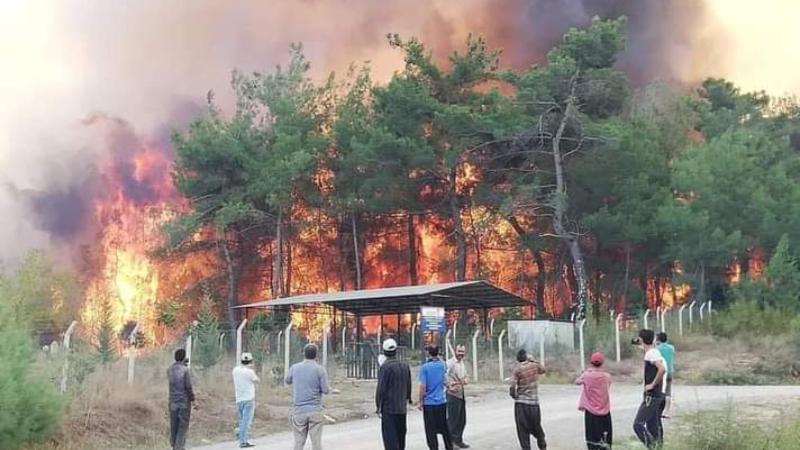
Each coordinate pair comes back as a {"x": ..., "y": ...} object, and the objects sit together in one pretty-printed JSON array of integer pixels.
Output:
[{"x": 245, "y": 411}]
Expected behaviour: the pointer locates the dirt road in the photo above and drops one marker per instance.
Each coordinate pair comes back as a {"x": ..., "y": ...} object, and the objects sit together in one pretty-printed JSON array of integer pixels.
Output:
[{"x": 490, "y": 423}]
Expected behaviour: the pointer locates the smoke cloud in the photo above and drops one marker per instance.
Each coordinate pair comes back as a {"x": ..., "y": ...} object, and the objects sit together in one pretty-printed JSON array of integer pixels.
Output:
[{"x": 147, "y": 65}]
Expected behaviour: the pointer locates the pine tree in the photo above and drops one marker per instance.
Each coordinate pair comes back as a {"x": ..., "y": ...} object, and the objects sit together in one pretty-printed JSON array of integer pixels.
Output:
[
  {"x": 207, "y": 351},
  {"x": 105, "y": 333}
]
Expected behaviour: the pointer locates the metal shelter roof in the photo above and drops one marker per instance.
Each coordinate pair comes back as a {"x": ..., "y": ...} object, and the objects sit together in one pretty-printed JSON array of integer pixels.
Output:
[{"x": 405, "y": 299}]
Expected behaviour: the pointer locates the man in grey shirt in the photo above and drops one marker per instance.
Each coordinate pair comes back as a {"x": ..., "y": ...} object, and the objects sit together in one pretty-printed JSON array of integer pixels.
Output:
[
  {"x": 309, "y": 381},
  {"x": 181, "y": 396}
]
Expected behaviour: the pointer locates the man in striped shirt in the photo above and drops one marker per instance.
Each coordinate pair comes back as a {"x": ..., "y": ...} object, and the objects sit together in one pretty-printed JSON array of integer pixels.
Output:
[{"x": 525, "y": 392}]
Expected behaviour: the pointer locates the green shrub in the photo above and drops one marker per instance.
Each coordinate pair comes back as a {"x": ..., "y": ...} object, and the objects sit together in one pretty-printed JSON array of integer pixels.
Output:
[
  {"x": 728, "y": 430},
  {"x": 30, "y": 406},
  {"x": 750, "y": 319},
  {"x": 735, "y": 377}
]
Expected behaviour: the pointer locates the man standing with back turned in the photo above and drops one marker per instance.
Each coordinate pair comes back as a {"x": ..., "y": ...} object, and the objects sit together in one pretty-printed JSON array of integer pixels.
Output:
[
  {"x": 244, "y": 379},
  {"x": 456, "y": 400},
  {"x": 181, "y": 396},
  {"x": 392, "y": 396},
  {"x": 310, "y": 382},
  {"x": 524, "y": 390},
  {"x": 647, "y": 424},
  {"x": 668, "y": 353},
  {"x": 432, "y": 401}
]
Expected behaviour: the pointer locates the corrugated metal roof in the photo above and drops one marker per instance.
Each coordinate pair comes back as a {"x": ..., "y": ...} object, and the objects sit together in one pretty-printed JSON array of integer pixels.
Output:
[
  {"x": 365, "y": 294},
  {"x": 407, "y": 299}
]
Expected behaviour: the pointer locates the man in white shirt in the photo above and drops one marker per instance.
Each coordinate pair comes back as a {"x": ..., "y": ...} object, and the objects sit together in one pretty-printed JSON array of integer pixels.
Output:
[
  {"x": 456, "y": 400},
  {"x": 244, "y": 379},
  {"x": 647, "y": 424}
]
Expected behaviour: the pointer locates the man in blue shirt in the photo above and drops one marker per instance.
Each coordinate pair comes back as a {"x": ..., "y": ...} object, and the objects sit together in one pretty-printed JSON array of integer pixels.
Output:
[
  {"x": 432, "y": 399},
  {"x": 668, "y": 352}
]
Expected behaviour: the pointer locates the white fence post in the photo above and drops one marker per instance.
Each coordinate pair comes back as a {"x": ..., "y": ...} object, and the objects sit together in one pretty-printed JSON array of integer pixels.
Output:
[
  {"x": 708, "y": 310},
  {"x": 344, "y": 339},
  {"x": 132, "y": 353},
  {"x": 572, "y": 318},
  {"x": 616, "y": 335},
  {"x": 287, "y": 348},
  {"x": 611, "y": 315},
  {"x": 580, "y": 340},
  {"x": 325, "y": 329},
  {"x": 491, "y": 328},
  {"x": 455, "y": 330},
  {"x": 691, "y": 313},
  {"x": 221, "y": 341},
  {"x": 475, "y": 353},
  {"x": 189, "y": 344},
  {"x": 280, "y": 341},
  {"x": 541, "y": 348},
  {"x": 65, "y": 368},
  {"x": 658, "y": 316},
  {"x": 447, "y": 347},
  {"x": 664, "y": 319},
  {"x": 500, "y": 353},
  {"x": 239, "y": 331},
  {"x": 680, "y": 319},
  {"x": 646, "y": 315},
  {"x": 702, "y": 307}
]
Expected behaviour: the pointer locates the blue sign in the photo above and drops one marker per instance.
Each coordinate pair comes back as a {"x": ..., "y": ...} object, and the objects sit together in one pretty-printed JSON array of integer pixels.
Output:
[{"x": 432, "y": 320}]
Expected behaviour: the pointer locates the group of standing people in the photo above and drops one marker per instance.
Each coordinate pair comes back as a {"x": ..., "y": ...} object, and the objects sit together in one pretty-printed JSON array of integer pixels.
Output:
[
  {"x": 441, "y": 397},
  {"x": 309, "y": 382}
]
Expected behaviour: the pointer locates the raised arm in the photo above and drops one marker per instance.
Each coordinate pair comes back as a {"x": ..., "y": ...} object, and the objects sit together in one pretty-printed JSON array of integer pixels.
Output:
[
  {"x": 187, "y": 381},
  {"x": 288, "y": 378}
]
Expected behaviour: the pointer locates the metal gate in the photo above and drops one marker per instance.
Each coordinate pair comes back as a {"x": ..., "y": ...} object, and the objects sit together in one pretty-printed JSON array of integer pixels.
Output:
[{"x": 361, "y": 360}]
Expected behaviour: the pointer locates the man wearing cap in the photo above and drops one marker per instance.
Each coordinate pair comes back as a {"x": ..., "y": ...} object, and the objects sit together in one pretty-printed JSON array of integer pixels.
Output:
[
  {"x": 244, "y": 380},
  {"x": 432, "y": 400},
  {"x": 456, "y": 403},
  {"x": 392, "y": 396},
  {"x": 309, "y": 383},
  {"x": 595, "y": 402},
  {"x": 524, "y": 390},
  {"x": 181, "y": 396}
]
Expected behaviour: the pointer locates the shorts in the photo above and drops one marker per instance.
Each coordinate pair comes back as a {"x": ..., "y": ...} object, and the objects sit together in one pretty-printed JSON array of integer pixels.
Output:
[{"x": 668, "y": 391}]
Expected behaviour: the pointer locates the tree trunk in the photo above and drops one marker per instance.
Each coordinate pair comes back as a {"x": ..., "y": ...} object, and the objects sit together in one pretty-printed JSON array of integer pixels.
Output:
[
  {"x": 277, "y": 258},
  {"x": 356, "y": 253},
  {"x": 287, "y": 291},
  {"x": 230, "y": 297},
  {"x": 627, "y": 270},
  {"x": 412, "y": 251},
  {"x": 560, "y": 209},
  {"x": 541, "y": 269},
  {"x": 458, "y": 231}
]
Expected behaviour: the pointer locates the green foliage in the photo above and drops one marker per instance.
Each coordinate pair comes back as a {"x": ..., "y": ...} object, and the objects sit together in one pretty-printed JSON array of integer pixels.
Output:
[
  {"x": 744, "y": 318},
  {"x": 39, "y": 291},
  {"x": 207, "y": 351},
  {"x": 104, "y": 334},
  {"x": 730, "y": 429},
  {"x": 31, "y": 407}
]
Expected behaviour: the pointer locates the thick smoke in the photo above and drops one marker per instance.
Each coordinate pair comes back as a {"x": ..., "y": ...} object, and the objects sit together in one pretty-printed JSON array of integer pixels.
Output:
[{"x": 151, "y": 62}]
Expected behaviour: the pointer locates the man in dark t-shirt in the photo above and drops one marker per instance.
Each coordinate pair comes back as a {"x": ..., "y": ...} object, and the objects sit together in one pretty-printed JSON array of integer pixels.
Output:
[
  {"x": 647, "y": 424},
  {"x": 392, "y": 396}
]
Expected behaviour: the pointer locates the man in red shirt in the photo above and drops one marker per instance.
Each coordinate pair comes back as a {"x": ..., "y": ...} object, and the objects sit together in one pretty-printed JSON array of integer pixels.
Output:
[{"x": 595, "y": 401}]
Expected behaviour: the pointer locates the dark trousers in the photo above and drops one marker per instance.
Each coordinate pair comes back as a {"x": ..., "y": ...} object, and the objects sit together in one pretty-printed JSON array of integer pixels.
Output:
[
  {"x": 178, "y": 426},
  {"x": 435, "y": 417},
  {"x": 529, "y": 422},
  {"x": 393, "y": 429},
  {"x": 598, "y": 431},
  {"x": 647, "y": 424},
  {"x": 456, "y": 418}
]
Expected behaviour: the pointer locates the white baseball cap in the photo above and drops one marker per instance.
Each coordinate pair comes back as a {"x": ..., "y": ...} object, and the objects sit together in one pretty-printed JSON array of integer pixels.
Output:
[
  {"x": 247, "y": 357},
  {"x": 389, "y": 345}
]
